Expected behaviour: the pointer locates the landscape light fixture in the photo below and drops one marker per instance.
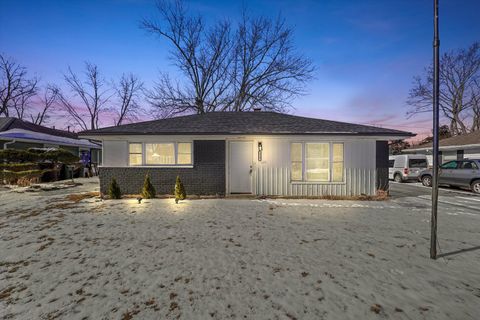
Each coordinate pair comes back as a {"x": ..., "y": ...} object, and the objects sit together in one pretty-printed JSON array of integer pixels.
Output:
[{"x": 260, "y": 149}]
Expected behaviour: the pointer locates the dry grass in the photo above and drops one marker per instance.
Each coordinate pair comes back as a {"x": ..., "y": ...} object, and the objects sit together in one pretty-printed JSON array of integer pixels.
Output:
[
  {"x": 5, "y": 294},
  {"x": 61, "y": 205},
  {"x": 77, "y": 197},
  {"x": 380, "y": 196}
]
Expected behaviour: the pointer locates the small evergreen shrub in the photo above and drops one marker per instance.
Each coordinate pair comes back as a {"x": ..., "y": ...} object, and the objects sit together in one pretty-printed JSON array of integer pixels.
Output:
[
  {"x": 114, "y": 190},
  {"x": 148, "y": 190},
  {"x": 180, "y": 193}
]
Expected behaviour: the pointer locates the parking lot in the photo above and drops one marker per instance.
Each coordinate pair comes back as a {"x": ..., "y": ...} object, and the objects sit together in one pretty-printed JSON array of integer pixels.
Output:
[{"x": 449, "y": 198}]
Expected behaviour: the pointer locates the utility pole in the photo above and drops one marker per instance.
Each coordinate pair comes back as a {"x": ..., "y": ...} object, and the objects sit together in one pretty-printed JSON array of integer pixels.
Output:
[{"x": 436, "y": 94}]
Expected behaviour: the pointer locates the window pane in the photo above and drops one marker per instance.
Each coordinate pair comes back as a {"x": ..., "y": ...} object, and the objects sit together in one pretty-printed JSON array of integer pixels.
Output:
[
  {"x": 184, "y": 153},
  {"x": 184, "y": 158},
  {"x": 135, "y": 159},
  {"x": 317, "y": 175},
  {"x": 317, "y": 161},
  {"x": 313, "y": 164},
  {"x": 296, "y": 171},
  {"x": 185, "y": 147},
  {"x": 296, "y": 152},
  {"x": 449, "y": 165},
  {"x": 337, "y": 172},
  {"x": 296, "y": 161},
  {"x": 317, "y": 150},
  {"x": 135, "y": 148},
  {"x": 338, "y": 152},
  {"x": 417, "y": 163},
  {"x": 160, "y": 153},
  {"x": 468, "y": 165}
]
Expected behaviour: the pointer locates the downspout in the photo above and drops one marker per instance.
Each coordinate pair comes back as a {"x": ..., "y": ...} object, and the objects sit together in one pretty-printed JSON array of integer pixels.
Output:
[
  {"x": 5, "y": 148},
  {"x": 7, "y": 143}
]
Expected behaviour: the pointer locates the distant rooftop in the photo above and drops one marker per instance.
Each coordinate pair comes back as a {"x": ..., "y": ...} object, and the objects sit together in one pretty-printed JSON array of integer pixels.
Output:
[
  {"x": 244, "y": 123},
  {"x": 472, "y": 138},
  {"x": 8, "y": 123}
]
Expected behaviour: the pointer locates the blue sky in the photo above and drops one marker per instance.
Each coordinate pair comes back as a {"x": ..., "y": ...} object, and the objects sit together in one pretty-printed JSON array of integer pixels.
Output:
[{"x": 366, "y": 52}]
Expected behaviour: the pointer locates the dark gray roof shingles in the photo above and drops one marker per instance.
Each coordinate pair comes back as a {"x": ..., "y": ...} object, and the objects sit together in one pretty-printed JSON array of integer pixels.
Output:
[
  {"x": 7, "y": 123},
  {"x": 244, "y": 123}
]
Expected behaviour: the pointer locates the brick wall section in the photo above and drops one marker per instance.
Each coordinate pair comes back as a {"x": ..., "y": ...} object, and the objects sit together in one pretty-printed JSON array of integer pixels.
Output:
[{"x": 207, "y": 177}]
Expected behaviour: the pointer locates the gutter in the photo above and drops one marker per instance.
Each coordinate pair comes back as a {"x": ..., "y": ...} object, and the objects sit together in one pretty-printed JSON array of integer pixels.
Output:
[{"x": 447, "y": 148}]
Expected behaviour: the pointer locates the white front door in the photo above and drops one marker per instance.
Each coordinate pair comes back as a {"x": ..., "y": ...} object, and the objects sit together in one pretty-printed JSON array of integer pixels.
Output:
[{"x": 240, "y": 166}]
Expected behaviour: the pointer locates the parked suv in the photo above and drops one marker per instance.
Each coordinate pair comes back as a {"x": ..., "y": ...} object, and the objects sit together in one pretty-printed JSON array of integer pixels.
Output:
[
  {"x": 406, "y": 166},
  {"x": 459, "y": 173}
]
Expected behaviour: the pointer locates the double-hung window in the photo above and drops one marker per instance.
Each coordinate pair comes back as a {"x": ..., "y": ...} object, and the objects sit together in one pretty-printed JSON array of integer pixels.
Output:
[
  {"x": 317, "y": 161},
  {"x": 296, "y": 157},
  {"x": 337, "y": 162},
  {"x": 184, "y": 153},
  {"x": 135, "y": 154}
]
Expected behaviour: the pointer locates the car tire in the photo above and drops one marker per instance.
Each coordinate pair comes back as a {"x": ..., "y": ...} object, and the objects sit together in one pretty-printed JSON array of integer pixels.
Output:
[
  {"x": 427, "y": 181},
  {"x": 398, "y": 178},
  {"x": 475, "y": 186}
]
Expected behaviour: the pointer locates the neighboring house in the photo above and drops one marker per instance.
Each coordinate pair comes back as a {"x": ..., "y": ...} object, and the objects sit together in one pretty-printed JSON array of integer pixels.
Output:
[
  {"x": 20, "y": 134},
  {"x": 260, "y": 153},
  {"x": 466, "y": 146}
]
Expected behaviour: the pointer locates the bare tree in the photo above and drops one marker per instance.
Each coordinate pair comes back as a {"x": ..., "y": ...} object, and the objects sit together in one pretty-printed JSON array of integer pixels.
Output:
[
  {"x": 254, "y": 66},
  {"x": 50, "y": 98},
  {"x": 91, "y": 92},
  {"x": 475, "y": 101},
  {"x": 16, "y": 88},
  {"x": 396, "y": 146},
  {"x": 127, "y": 92},
  {"x": 202, "y": 54},
  {"x": 459, "y": 72},
  {"x": 267, "y": 71}
]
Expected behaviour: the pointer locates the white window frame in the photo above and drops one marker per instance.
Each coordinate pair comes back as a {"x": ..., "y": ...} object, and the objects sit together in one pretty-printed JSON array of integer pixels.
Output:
[
  {"x": 175, "y": 148},
  {"x": 329, "y": 169},
  {"x": 330, "y": 162},
  {"x": 176, "y": 153},
  {"x": 302, "y": 147}
]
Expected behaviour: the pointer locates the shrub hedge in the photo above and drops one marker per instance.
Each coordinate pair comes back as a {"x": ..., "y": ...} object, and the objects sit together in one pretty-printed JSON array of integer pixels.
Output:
[
  {"x": 29, "y": 156},
  {"x": 16, "y": 165}
]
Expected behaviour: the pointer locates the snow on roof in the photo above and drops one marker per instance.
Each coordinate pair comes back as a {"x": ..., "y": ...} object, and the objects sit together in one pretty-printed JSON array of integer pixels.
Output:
[{"x": 38, "y": 137}]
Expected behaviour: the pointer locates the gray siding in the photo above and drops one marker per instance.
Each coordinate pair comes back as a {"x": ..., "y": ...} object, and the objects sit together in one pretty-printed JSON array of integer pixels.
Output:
[
  {"x": 272, "y": 175},
  {"x": 207, "y": 177}
]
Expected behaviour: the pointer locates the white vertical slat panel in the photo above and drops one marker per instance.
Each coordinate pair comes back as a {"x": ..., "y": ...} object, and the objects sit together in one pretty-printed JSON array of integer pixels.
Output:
[{"x": 272, "y": 176}]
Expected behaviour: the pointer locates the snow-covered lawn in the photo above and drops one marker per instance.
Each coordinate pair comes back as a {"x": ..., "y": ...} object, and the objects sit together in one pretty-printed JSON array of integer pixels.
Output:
[{"x": 231, "y": 258}]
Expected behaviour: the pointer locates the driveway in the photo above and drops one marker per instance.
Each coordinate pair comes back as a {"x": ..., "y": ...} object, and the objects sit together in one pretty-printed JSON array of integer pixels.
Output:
[{"x": 66, "y": 254}]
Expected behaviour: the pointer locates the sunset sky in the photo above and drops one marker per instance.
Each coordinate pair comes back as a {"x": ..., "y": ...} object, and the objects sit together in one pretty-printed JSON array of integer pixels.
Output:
[{"x": 366, "y": 52}]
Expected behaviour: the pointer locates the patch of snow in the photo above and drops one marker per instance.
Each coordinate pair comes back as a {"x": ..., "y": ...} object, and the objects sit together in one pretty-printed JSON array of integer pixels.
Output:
[{"x": 231, "y": 258}]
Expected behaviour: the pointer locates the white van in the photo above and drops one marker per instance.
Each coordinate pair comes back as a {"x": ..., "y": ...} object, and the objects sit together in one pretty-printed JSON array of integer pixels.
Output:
[{"x": 406, "y": 166}]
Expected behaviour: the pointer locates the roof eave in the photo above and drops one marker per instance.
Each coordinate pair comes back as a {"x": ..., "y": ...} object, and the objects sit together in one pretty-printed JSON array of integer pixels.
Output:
[{"x": 393, "y": 135}]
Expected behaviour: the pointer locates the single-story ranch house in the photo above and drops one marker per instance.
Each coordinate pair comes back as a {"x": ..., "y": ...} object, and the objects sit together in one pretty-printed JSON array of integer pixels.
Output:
[
  {"x": 465, "y": 146},
  {"x": 20, "y": 134},
  {"x": 259, "y": 153}
]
